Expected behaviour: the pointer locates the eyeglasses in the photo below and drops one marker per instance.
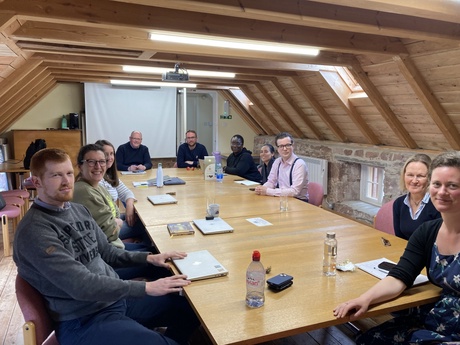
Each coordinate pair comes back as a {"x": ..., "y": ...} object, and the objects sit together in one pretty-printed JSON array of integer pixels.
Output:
[
  {"x": 287, "y": 146},
  {"x": 190, "y": 138},
  {"x": 417, "y": 177},
  {"x": 92, "y": 162},
  {"x": 140, "y": 139}
]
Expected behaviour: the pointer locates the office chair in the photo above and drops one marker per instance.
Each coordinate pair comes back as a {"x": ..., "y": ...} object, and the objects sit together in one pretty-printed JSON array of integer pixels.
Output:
[
  {"x": 39, "y": 327},
  {"x": 383, "y": 220}
]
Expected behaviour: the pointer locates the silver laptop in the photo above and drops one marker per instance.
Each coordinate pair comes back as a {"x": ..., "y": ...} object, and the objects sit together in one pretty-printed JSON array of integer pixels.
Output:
[
  {"x": 162, "y": 199},
  {"x": 200, "y": 265},
  {"x": 214, "y": 226}
]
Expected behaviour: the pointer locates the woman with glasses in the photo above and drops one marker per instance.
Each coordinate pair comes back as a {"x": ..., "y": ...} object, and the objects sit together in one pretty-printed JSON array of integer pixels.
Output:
[
  {"x": 414, "y": 208},
  {"x": 92, "y": 163},
  {"x": 240, "y": 162}
]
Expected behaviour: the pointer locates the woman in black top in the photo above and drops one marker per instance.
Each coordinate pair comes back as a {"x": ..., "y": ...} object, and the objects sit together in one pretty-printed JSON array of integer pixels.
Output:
[{"x": 267, "y": 157}]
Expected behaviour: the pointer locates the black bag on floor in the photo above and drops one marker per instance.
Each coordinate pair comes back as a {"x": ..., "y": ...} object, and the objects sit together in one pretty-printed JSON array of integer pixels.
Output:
[{"x": 33, "y": 147}]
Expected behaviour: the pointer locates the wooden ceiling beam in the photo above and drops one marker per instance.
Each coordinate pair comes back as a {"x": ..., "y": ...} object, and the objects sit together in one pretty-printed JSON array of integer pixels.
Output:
[
  {"x": 265, "y": 117},
  {"x": 307, "y": 122},
  {"x": 105, "y": 13},
  {"x": 341, "y": 92},
  {"x": 415, "y": 19},
  {"x": 429, "y": 101},
  {"x": 322, "y": 113},
  {"x": 382, "y": 106},
  {"x": 293, "y": 128}
]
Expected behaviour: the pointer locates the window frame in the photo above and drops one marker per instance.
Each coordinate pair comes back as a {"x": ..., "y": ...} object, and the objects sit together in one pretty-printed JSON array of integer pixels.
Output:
[{"x": 368, "y": 180}]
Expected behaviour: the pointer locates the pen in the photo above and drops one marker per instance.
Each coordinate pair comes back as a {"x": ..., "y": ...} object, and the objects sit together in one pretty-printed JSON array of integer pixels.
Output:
[{"x": 379, "y": 269}]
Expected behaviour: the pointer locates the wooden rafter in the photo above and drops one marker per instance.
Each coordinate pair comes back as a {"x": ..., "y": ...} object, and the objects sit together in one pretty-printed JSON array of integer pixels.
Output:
[
  {"x": 383, "y": 107},
  {"x": 341, "y": 92},
  {"x": 431, "y": 104},
  {"x": 318, "y": 135},
  {"x": 320, "y": 110}
]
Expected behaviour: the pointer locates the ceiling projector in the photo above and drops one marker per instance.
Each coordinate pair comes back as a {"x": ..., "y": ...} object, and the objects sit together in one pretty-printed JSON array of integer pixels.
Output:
[{"x": 178, "y": 75}]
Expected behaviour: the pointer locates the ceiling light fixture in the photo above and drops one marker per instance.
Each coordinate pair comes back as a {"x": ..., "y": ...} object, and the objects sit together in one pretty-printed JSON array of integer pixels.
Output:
[
  {"x": 232, "y": 43},
  {"x": 191, "y": 72},
  {"x": 150, "y": 83}
]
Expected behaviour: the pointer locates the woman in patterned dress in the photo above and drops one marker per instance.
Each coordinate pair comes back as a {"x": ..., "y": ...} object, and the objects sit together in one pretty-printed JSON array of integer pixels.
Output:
[{"x": 436, "y": 246}]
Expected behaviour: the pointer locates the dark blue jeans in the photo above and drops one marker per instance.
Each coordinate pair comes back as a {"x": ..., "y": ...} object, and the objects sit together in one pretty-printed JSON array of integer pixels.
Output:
[{"x": 131, "y": 321}]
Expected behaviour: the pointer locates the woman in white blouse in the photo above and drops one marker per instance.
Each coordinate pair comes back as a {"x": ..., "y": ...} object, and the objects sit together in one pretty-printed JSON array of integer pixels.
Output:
[{"x": 115, "y": 186}]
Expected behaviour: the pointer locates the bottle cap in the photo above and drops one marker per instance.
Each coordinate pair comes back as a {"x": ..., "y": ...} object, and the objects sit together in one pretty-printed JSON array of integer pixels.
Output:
[
  {"x": 255, "y": 255},
  {"x": 330, "y": 235}
]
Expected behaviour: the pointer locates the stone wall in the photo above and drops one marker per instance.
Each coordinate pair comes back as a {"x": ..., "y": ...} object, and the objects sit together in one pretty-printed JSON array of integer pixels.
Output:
[{"x": 344, "y": 171}]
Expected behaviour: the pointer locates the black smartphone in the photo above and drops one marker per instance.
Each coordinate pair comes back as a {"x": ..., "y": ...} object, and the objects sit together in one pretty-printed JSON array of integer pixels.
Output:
[{"x": 386, "y": 266}]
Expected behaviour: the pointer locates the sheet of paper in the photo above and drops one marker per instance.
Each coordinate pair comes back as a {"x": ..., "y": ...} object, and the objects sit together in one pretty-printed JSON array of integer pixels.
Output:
[
  {"x": 371, "y": 268},
  {"x": 140, "y": 184},
  {"x": 247, "y": 182},
  {"x": 259, "y": 221}
]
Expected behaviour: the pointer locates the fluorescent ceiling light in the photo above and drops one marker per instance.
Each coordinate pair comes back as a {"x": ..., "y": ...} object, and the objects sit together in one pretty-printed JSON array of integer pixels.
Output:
[
  {"x": 191, "y": 72},
  {"x": 149, "y": 83},
  {"x": 232, "y": 43}
]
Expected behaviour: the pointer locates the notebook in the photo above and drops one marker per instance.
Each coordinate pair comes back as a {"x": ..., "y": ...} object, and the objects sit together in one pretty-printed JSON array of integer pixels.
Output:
[
  {"x": 167, "y": 181},
  {"x": 214, "y": 226},
  {"x": 162, "y": 199},
  {"x": 200, "y": 265}
]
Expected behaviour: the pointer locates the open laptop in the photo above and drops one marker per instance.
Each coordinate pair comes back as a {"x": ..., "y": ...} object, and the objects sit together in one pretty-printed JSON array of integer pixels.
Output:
[
  {"x": 162, "y": 199},
  {"x": 214, "y": 226},
  {"x": 200, "y": 265}
]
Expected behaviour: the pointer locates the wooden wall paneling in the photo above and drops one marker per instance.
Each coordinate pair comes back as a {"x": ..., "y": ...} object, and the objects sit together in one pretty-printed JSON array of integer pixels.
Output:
[{"x": 68, "y": 140}]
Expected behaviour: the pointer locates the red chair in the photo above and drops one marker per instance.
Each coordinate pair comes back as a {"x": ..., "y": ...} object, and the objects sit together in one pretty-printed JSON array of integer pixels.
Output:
[
  {"x": 383, "y": 220},
  {"x": 315, "y": 194},
  {"x": 8, "y": 212},
  {"x": 39, "y": 327}
]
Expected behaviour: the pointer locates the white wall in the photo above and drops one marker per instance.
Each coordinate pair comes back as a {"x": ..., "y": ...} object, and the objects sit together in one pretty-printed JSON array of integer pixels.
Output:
[
  {"x": 65, "y": 98},
  {"x": 69, "y": 98}
]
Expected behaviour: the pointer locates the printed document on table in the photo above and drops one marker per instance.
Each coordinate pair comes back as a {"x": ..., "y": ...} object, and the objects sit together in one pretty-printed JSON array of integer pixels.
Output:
[
  {"x": 259, "y": 221},
  {"x": 247, "y": 182},
  {"x": 371, "y": 268}
]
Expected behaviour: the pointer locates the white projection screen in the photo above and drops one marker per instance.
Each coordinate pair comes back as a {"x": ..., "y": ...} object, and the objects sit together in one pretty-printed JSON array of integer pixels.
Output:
[{"x": 112, "y": 113}]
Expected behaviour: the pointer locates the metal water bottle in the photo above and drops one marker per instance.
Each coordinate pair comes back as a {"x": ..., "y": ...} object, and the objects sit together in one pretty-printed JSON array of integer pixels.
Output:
[
  {"x": 330, "y": 254},
  {"x": 160, "y": 175}
]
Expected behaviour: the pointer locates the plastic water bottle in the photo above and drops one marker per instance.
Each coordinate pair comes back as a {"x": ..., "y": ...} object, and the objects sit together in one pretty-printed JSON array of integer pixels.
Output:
[
  {"x": 330, "y": 254},
  {"x": 64, "y": 122},
  {"x": 219, "y": 172},
  {"x": 255, "y": 282},
  {"x": 160, "y": 175}
]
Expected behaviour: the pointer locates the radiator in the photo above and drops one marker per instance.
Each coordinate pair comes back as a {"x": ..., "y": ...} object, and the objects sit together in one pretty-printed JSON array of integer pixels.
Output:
[{"x": 317, "y": 170}]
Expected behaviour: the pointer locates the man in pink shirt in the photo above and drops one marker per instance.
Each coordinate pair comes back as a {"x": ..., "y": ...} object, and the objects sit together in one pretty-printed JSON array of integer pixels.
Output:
[{"x": 289, "y": 173}]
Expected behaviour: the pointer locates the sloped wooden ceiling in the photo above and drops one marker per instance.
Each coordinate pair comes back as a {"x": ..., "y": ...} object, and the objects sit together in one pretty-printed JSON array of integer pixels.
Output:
[{"x": 388, "y": 72}]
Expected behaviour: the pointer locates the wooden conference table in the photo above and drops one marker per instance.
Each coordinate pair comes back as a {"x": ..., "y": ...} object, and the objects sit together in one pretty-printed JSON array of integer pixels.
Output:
[{"x": 293, "y": 244}]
